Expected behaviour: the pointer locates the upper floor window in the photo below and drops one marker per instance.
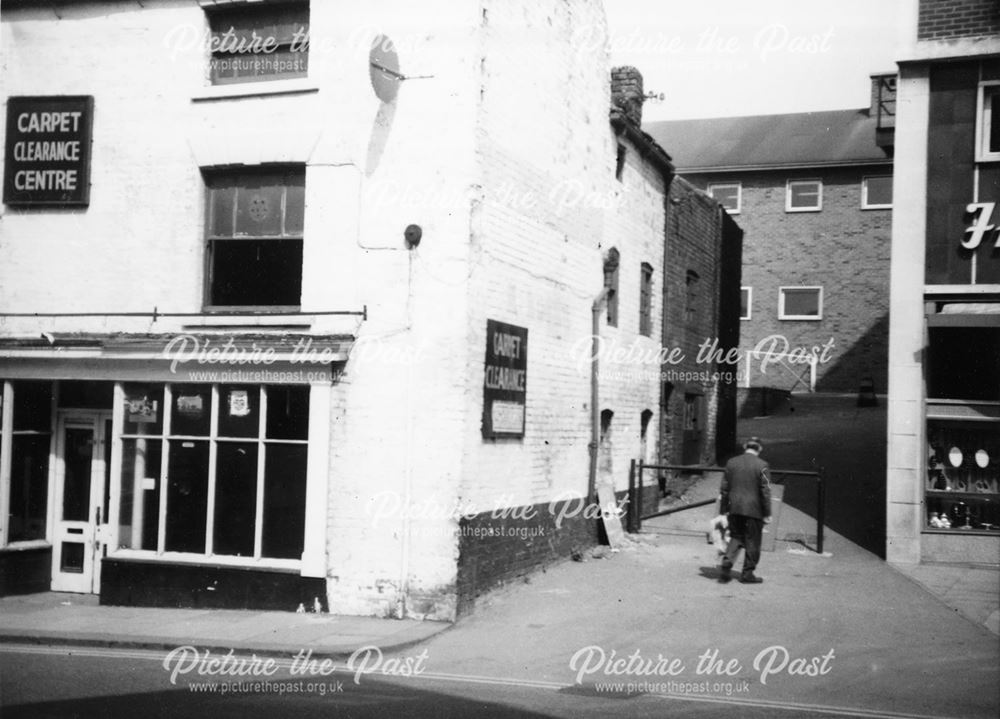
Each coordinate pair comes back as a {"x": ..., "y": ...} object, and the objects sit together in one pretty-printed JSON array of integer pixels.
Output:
[
  {"x": 804, "y": 196},
  {"x": 611, "y": 262},
  {"x": 988, "y": 122},
  {"x": 691, "y": 280},
  {"x": 253, "y": 43},
  {"x": 800, "y": 303},
  {"x": 876, "y": 192},
  {"x": 728, "y": 195},
  {"x": 254, "y": 237},
  {"x": 646, "y": 300},
  {"x": 746, "y": 302}
]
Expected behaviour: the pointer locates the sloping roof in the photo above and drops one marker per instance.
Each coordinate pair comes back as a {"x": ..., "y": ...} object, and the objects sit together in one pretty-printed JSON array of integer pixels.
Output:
[{"x": 802, "y": 139}]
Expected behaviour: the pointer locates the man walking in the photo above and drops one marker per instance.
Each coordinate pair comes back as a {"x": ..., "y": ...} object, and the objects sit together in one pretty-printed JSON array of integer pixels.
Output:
[{"x": 746, "y": 497}]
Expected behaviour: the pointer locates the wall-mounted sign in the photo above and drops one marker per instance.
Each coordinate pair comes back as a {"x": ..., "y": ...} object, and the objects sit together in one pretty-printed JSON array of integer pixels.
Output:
[
  {"x": 47, "y": 158},
  {"x": 980, "y": 229},
  {"x": 505, "y": 383}
]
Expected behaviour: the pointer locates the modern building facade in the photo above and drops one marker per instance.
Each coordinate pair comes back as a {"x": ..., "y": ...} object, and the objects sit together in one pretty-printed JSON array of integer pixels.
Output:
[
  {"x": 299, "y": 301},
  {"x": 813, "y": 193},
  {"x": 943, "y": 501}
]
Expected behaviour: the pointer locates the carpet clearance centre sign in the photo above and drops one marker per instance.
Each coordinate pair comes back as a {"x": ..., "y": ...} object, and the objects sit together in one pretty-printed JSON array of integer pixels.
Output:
[
  {"x": 47, "y": 160},
  {"x": 506, "y": 380}
]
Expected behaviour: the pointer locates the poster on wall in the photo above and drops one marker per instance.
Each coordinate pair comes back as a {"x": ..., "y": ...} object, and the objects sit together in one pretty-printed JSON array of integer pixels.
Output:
[
  {"x": 48, "y": 150},
  {"x": 505, "y": 380}
]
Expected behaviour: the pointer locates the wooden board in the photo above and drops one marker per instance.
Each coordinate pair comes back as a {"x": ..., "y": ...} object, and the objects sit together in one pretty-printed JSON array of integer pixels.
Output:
[{"x": 610, "y": 516}]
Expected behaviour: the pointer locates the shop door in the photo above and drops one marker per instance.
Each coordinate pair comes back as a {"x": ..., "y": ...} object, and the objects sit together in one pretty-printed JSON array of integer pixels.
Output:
[{"x": 81, "y": 500}]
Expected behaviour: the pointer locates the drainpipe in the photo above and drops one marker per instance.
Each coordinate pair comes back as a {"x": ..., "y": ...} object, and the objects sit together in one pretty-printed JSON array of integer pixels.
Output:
[{"x": 600, "y": 302}]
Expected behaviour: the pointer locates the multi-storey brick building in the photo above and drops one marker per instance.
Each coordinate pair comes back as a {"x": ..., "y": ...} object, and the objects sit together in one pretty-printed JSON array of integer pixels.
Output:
[
  {"x": 943, "y": 502},
  {"x": 294, "y": 295},
  {"x": 813, "y": 193}
]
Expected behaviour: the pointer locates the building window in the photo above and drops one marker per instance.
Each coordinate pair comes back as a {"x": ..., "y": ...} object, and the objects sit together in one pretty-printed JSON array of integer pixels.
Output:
[
  {"x": 988, "y": 126},
  {"x": 646, "y": 299},
  {"x": 620, "y": 162},
  {"x": 691, "y": 281},
  {"x": 215, "y": 470},
  {"x": 611, "y": 262},
  {"x": 800, "y": 303},
  {"x": 876, "y": 192},
  {"x": 729, "y": 196},
  {"x": 746, "y": 302},
  {"x": 253, "y": 43},
  {"x": 804, "y": 196},
  {"x": 254, "y": 231},
  {"x": 26, "y": 470}
]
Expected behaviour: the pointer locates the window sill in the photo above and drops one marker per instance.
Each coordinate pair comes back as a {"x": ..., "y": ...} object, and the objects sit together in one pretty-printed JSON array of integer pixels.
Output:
[
  {"x": 296, "y": 86},
  {"x": 803, "y": 209},
  {"x": 281, "y": 565},
  {"x": 25, "y": 546},
  {"x": 793, "y": 318},
  {"x": 966, "y": 532},
  {"x": 876, "y": 207}
]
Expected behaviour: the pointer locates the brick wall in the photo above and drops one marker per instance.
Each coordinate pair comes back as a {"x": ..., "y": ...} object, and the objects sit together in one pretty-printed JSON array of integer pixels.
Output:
[
  {"x": 949, "y": 19},
  {"x": 842, "y": 248}
]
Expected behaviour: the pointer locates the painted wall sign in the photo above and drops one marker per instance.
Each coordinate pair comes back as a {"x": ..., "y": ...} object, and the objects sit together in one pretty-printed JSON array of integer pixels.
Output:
[
  {"x": 980, "y": 229},
  {"x": 505, "y": 381},
  {"x": 48, "y": 150}
]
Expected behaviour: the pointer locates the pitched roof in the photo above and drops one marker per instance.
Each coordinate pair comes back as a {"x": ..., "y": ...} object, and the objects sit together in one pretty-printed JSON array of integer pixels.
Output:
[{"x": 802, "y": 139}]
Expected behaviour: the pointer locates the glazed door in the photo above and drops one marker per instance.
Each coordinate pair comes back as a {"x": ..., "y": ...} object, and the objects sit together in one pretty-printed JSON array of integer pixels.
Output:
[{"x": 82, "y": 464}]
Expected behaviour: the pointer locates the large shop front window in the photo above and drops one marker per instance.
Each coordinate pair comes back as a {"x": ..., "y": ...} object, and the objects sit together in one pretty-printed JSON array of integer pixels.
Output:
[
  {"x": 214, "y": 470},
  {"x": 28, "y": 467},
  {"x": 254, "y": 233}
]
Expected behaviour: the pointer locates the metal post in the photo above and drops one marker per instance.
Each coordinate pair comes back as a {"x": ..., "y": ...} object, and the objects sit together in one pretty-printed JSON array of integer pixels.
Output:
[
  {"x": 820, "y": 509},
  {"x": 633, "y": 512},
  {"x": 638, "y": 495}
]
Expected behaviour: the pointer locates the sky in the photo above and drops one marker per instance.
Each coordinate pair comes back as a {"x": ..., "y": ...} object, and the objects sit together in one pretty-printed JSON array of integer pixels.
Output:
[{"x": 722, "y": 58}]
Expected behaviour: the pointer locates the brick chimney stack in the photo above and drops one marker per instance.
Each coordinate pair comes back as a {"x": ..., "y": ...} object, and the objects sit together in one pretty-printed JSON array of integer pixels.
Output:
[{"x": 627, "y": 93}]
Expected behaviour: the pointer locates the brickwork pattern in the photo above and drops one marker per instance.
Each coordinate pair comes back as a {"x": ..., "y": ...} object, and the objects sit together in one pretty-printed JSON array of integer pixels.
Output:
[{"x": 951, "y": 19}]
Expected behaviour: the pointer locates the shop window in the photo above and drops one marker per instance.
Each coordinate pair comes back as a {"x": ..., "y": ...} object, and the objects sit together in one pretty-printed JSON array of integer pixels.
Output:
[
  {"x": 988, "y": 122},
  {"x": 31, "y": 441},
  {"x": 876, "y": 192},
  {"x": 963, "y": 363},
  {"x": 963, "y": 476},
  {"x": 235, "y": 461},
  {"x": 646, "y": 299},
  {"x": 728, "y": 194},
  {"x": 254, "y": 228},
  {"x": 804, "y": 196},
  {"x": 253, "y": 43},
  {"x": 800, "y": 303},
  {"x": 746, "y": 303},
  {"x": 611, "y": 262}
]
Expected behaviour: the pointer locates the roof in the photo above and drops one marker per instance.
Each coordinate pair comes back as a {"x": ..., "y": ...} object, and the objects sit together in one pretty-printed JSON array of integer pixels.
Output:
[{"x": 802, "y": 139}]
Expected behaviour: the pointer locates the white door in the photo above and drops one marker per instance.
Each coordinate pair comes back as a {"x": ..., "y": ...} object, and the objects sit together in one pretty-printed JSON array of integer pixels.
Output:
[{"x": 82, "y": 463}]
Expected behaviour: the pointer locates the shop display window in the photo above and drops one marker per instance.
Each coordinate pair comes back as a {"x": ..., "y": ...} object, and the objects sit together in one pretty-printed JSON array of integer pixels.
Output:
[{"x": 963, "y": 476}]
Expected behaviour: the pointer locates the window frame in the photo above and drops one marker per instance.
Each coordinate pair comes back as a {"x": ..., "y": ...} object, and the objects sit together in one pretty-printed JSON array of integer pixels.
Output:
[
  {"x": 739, "y": 195},
  {"x": 984, "y": 122},
  {"x": 612, "y": 267},
  {"x": 865, "y": 204},
  {"x": 217, "y": 10},
  {"x": 749, "y": 314},
  {"x": 781, "y": 303},
  {"x": 210, "y": 238},
  {"x": 692, "y": 285},
  {"x": 819, "y": 195},
  {"x": 646, "y": 299},
  {"x": 167, "y": 436}
]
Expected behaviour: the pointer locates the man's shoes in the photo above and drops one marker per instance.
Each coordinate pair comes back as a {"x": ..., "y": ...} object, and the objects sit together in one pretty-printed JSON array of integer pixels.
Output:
[
  {"x": 725, "y": 573},
  {"x": 750, "y": 578}
]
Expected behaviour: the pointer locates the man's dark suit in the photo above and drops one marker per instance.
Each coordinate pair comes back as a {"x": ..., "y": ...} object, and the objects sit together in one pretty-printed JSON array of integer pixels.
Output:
[{"x": 746, "y": 498}]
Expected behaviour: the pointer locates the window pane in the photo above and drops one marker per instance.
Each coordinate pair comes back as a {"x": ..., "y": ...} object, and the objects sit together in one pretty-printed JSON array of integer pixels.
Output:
[
  {"x": 295, "y": 204},
  {"x": 804, "y": 194},
  {"x": 239, "y": 413},
  {"x": 256, "y": 272},
  {"x": 964, "y": 363},
  {"x": 744, "y": 304},
  {"x": 139, "y": 511},
  {"x": 222, "y": 202},
  {"x": 284, "y": 501},
  {"x": 33, "y": 406},
  {"x": 187, "y": 496},
  {"x": 235, "y": 498},
  {"x": 256, "y": 43},
  {"x": 143, "y": 409},
  {"x": 258, "y": 207},
  {"x": 192, "y": 412},
  {"x": 991, "y": 101},
  {"x": 29, "y": 486},
  {"x": 802, "y": 303},
  {"x": 78, "y": 458},
  {"x": 727, "y": 195},
  {"x": 878, "y": 190},
  {"x": 287, "y": 412},
  {"x": 86, "y": 394}
]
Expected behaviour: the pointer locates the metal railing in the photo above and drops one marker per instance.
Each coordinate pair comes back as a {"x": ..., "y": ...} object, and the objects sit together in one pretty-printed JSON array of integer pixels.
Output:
[{"x": 634, "y": 514}]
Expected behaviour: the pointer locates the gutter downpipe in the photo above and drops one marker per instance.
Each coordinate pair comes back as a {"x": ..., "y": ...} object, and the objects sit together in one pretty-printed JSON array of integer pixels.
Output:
[{"x": 600, "y": 302}]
